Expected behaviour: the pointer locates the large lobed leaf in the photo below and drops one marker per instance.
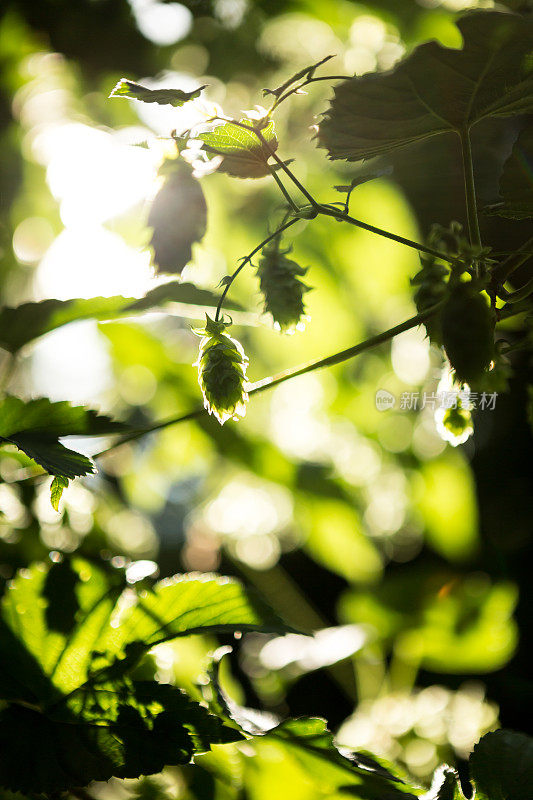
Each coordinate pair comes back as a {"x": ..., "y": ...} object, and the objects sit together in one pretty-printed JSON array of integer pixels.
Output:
[
  {"x": 191, "y": 603},
  {"x": 71, "y": 713},
  {"x": 123, "y": 732},
  {"x": 35, "y": 426},
  {"x": 244, "y": 155},
  {"x": 501, "y": 766},
  {"x": 516, "y": 183},
  {"x": 27, "y": 322},
  {"x": 435, "y": 90},
  {"x": 311, "y": 743}
]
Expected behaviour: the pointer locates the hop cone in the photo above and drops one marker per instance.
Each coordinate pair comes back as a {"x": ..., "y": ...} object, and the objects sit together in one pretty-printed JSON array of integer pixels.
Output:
[
  {"x": 431, "y": 287},
  {"x": 281, "y": 287},
  {"x": 221, "y": 372}
]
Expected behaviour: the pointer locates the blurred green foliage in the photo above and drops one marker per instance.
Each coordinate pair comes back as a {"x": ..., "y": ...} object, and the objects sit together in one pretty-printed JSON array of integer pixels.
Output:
[{"x": 346, "y": 518}]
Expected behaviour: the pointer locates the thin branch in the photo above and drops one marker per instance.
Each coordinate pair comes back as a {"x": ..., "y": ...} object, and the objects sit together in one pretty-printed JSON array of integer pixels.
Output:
[
  {"x": 297, "y": 89},
  {"x": 331, "y": 211},
  {"x": 284, "y": 167}
]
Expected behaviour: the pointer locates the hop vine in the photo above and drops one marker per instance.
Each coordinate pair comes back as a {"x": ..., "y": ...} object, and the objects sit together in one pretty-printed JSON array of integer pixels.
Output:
[
  {"x": 282, "y": 289},
  {"x": 222, "y": 367}
]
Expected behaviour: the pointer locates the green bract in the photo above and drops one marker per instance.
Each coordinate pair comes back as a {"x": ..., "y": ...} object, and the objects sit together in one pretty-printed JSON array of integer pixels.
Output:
[
  {"x": 281, "y": 287},
  {"x": 221, "y": 371}
]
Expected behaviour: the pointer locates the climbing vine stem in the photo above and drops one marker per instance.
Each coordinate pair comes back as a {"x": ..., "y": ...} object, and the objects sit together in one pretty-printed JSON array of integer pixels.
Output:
[{"x": 283, "y": 227}]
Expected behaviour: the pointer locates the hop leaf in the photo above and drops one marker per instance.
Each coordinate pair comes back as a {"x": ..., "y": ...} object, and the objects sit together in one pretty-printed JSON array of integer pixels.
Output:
[
  {"x": 221, "y": 372},
  {"x": 281, "y": 287}
]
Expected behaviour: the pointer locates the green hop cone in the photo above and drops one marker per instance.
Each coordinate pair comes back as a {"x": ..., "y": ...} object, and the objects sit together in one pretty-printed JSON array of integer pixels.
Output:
[
  {"x": 468, "y": 332},
  {"x": 455, "y": 425},
  {"x": 281, "y": 287},
  {"x": 430, "y": 288},
  {"x": 221, "y": 372}
]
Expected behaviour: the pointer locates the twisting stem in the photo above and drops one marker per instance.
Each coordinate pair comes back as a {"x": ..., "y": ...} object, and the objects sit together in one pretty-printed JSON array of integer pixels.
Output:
[
  {"x": 275, "y": 380},
  {"x": 470, "y": 188},
  {"x": 296, "y": 89},
  {"x": 248, "y": 258},
  {"x": 330, "y": 210}
]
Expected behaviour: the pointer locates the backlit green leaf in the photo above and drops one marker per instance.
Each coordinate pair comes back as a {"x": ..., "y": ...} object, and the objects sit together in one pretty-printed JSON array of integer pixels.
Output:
[
  {"x": 191, "y": 603},
  {"x": 72, "y": 715},
  {"x": 244, "y": 155},
  {"x": 311, "y": 743},
  {"x": 40, "y": 653},
  {"x": 35, "y": 427}
]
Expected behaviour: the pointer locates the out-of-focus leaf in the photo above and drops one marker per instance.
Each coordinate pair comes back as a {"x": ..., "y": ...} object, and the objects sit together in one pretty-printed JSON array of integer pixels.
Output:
[
  {"x": 311, "y": 743},
  {"x": 501, "y": 766},
  {"x": 244, "y": 155},
  {"x": 178, "y": 217},
  {"x": 335, "y": 539},
  {"x": 448, "y": 507},
  {"x": 103, "y": 732},
  {"x": 443, "y": 621},
  {"x": 435, "y": 90},
  {"x": 173, "y": 97},
  {"x": 35, "y": 427},
  {"x": 516, "y": 183},
  {"x": 26, "y": 322},
  {"x": 191, "y": 603},
  {"x": 20, "y": 325},
  {"x": 174, "y": 292},
  {"x": 467, "y": 627}
]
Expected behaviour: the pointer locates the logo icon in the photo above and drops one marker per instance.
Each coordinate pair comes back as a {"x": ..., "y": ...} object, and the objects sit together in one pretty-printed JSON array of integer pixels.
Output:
[{"x": 384, "y": 400}]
